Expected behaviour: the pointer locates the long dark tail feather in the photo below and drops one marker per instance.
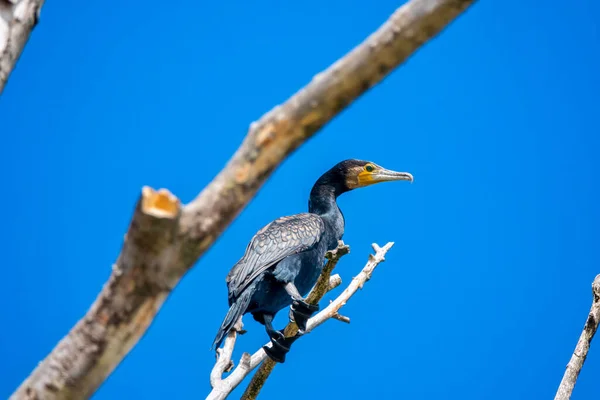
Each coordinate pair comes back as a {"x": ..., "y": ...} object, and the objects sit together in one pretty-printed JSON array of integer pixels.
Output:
[{"x": 236, "y": 310}]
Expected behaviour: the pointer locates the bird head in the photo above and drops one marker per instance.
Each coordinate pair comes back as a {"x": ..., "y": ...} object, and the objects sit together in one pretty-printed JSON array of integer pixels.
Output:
[
  {"x": 359, "y": 173},
  {"x": 348, "y": 175}
]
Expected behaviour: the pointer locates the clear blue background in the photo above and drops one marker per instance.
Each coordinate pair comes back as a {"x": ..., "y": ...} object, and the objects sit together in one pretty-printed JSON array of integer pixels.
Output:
[{"x": 487, "y": 288}]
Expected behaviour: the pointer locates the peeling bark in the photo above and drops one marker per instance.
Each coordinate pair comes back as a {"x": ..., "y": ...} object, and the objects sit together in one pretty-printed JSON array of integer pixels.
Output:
[
  {"x": 164, "y": 239},
  {"x": 17, "y": 20}
]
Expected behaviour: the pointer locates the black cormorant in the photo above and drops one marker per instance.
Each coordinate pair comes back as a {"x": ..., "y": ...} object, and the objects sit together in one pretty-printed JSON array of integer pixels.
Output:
[{"x": 284, "y": 259}]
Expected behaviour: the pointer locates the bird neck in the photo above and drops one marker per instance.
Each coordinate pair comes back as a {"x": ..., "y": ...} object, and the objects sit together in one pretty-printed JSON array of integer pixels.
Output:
[{"x": 322, "y": 202}]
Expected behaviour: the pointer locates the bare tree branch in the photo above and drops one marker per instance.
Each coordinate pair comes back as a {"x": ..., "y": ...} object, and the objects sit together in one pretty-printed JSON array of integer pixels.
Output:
[
  {"x": 341, "y": 318},
  {"x": 165, "y": 239},
  {"x": 224, "y": 363},
  {"x": 583, "y": 346},
  {"x": 223, "y": 387},
  {"x": 17, "y": 20},
  {"x": 326, "y": 281}
]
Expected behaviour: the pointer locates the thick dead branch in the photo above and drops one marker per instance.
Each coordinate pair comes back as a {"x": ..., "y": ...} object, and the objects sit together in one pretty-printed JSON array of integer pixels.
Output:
[
  {"x": 160, "y": 247},
  {"x": 225, "y": 386},
  {"x": 17, "y": 20},
  {"x": 583, "y": 346},
  {"x": 127, "y": 303}
]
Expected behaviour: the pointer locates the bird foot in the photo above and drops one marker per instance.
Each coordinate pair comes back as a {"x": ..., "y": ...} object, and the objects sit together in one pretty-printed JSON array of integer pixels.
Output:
[
  {"x": 276, "y": 335},
  {"x": 301, "y": 312},
  {"x": 280, "y": 348}
]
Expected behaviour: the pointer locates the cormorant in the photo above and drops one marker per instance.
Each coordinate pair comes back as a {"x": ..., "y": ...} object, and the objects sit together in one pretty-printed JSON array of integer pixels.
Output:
[{"x": 284, "y": 259}]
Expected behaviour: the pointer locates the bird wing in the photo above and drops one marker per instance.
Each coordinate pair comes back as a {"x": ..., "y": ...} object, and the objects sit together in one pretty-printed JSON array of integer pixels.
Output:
[{"x": 281, "y": 238}]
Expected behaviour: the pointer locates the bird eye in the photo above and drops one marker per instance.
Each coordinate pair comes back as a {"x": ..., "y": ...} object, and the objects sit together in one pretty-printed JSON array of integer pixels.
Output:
[{"x": 369, "y": 168}]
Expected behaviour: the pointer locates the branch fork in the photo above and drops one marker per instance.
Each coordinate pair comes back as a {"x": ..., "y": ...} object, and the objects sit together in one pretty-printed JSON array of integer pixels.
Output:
[{"x": 222, "y": 387}]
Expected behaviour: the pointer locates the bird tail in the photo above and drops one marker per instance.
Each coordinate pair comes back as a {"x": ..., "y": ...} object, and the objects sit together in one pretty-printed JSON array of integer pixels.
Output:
[{"x": 236, "y": 310}]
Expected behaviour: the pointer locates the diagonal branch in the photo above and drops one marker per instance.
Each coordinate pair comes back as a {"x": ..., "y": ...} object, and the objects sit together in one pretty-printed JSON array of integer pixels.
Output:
[
  {"x": 17, "y": 20},
  {"x": 326, "y": 282},
  {"x": 223, "y": 387},
  {"x": 170, "y": 238},
  {"x": 583, "y": 346}
]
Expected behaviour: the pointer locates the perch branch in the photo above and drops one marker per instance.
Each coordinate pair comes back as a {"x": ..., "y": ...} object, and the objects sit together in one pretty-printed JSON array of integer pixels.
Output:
[
  {"x": 326, "y": 281},
  {"x": 263, "y": 373},
  {"x": 222, "y": 387},
  {"x": 224, "y": 363},
  {"x": 17, "y": 20},
  {"x": 169, "y": 242},
  {"x": 260, "y": 377},
  {"x": 583, "y": 346}
]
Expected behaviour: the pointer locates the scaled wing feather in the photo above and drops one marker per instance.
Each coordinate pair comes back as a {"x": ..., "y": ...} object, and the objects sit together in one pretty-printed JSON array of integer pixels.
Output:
[{"x": 281, "y": 238}]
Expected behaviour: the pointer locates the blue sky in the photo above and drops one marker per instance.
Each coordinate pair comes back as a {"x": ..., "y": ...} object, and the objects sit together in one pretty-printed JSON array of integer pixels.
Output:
[{"x": 487, "y": 288}]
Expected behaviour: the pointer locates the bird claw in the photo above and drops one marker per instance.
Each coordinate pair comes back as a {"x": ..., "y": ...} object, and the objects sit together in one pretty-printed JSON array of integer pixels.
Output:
[
  {"x": 301, "y": 312},
  {"x": 302, "y": 307},
  {"x": 276, "y": 335},
  {"x": 280, "y": 348}
]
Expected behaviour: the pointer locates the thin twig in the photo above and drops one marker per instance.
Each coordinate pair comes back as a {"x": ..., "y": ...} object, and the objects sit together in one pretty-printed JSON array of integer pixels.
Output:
[
  {"x": 574, "y": 366},
  {"x": 334, "y": 281},
  {"x": 224, "y": 363},
  {"x": 341, "y": 318},
  {"x": 260, "y": 377}
]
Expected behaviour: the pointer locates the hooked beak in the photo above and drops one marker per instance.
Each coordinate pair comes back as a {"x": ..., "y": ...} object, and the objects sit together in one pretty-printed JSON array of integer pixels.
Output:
[
  {"x": 382, "y": 175},
  {"x": 386, "y": 175}
]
